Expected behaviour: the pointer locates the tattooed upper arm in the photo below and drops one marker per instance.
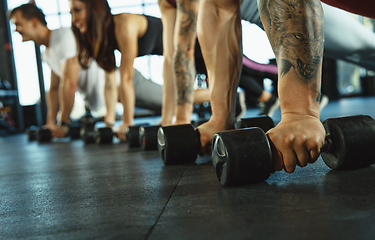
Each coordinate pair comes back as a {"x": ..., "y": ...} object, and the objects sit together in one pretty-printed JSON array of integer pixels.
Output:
[{"x": 296, "y": 32}]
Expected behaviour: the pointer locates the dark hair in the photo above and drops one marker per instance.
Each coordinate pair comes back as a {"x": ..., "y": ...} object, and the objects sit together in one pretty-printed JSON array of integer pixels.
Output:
[
  {"x": 98, "y": 42},
  {"x": 29, "y": 11}
]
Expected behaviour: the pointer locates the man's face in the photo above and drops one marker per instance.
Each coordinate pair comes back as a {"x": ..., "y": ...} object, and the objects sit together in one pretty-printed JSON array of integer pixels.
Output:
[{"x": 24, "y": 27}]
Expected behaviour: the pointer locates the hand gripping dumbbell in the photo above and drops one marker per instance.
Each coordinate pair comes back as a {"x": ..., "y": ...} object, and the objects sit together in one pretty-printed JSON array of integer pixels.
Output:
[
  {"x": 132, "y": 135},
  {"x": 245, "y": 156},
  {"x": 179, "y": 144},
  {"x": 45, "y": 135},
  {"x": 148, "y": 137}
]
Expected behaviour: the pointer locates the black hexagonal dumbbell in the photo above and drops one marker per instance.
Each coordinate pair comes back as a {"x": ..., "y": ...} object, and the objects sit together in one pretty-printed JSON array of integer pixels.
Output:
[
  {"x": 263, "y": 122},
  {"x": 244, "y": 156},
  {"x": 89, "y": 135},
  {"x": 31, "y": 133},
  {"x": 179, "y": 144},
  {"x": 97, "y": 135},
  {"x": 104, "y": 135},
  {"x": 132, "y": 135},
  {"x": 45, "y": 135},
  {"x": 148, "y": 137},
  {"x": 87, "y": 121}
]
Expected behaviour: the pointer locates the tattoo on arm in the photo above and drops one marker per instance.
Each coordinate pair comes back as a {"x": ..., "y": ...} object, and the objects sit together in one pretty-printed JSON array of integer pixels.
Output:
[
  {"x": 184, "y": 66},
  {"x": 190, "y": 16},
  {"x": 185, "y": 76},
  {"x": 296, "y": 32}
]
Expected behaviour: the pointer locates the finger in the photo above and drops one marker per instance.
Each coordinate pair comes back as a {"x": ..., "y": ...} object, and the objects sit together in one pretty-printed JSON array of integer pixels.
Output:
[
  {"x": 302, "y": 156},
  {"x": 60, "y": 133},
  {"x": 121, "y": 136},
  {"x": 204, "y": 150},
  {"x": 53, "y": 134},
  {"x": 314, "y": 149},
  {"x": 314, "y": 155},
  {"x": 277, "y": 158},
  {"x": 290, "y": 160},
  {"x": 277, "y": 161}
]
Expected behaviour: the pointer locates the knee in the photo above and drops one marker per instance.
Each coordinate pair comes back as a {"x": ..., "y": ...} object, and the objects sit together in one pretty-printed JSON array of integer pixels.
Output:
[{"x": 126, "y": 81}]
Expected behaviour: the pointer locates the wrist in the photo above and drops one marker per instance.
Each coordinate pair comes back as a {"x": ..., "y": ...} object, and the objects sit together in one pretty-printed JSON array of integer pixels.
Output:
[
  {"x": 108, "y": 124},
  {"x": 299, "y": 101}
]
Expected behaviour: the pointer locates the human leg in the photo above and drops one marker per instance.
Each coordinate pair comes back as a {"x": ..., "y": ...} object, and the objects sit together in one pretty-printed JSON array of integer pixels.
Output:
[{"x": 148, "y": 94}]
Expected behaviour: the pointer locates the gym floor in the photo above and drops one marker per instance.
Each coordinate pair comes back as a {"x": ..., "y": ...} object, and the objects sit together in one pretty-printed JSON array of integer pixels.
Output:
[{"x": 68, "y": 190}]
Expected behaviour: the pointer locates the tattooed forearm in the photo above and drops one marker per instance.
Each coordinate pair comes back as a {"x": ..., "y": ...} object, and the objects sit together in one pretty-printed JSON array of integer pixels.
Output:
[
  {"x": 189, "y": 16},
  {"x": 185, "y": 75},
  {"x": 295, "y": 29}
]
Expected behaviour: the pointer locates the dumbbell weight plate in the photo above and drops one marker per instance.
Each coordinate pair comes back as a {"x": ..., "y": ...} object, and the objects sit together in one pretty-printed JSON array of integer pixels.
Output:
[
  {"x": 104, "y": 135},
  {"x": 148, "y": 137},
  {"x": 241, "y": 156},
  {"x": 31, "y": 133},
  {"x": 352, "y": 142},
  {"x": 89, "y": 135},
  {"x": 43, "y": 135},
  {"x": 177, "y": 144},
  {"x": 132, "y": 135},
  {"x": 74, "y": 131},
  {"x": 88, "y": 121},
  {"x": 263, "y": 122}
]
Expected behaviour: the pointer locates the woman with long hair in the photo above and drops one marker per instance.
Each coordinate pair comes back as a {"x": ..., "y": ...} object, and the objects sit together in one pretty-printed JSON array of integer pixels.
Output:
[{"x": 99, "y": 33}]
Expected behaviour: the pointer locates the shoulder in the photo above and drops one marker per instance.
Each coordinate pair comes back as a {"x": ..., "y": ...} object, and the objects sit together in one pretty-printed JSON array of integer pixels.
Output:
[
  {"x": 64, "y": 35},
  {"x": 129, "y": 23},
  {"x": 125, "y": 19},
  {"x": 62, "y": 32}
]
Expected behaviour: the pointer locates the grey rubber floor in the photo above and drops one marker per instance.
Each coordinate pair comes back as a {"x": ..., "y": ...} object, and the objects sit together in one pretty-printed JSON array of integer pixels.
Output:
[{"x": 68, "y": 190}]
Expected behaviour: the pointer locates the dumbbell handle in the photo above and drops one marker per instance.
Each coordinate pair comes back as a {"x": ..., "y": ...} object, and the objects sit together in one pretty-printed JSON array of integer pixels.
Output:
[{"x": 327, "y": 144}]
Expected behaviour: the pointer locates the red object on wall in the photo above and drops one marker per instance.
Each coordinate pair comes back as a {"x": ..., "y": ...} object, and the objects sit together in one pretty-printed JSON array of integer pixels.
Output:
[
  {"x": 8, "y": 46},
  {"x": 360, "y": 7}
]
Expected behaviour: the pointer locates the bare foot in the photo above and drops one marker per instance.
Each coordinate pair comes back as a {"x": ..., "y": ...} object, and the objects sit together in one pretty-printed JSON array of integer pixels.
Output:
[
  {"x": 120, "y": 132},
  {"x": 207, "y": 131}
]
